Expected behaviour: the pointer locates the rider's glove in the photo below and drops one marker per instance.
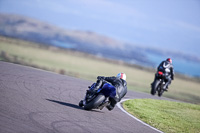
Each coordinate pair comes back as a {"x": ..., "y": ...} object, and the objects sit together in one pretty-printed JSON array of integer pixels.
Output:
[{"x": 100, "y": 77}]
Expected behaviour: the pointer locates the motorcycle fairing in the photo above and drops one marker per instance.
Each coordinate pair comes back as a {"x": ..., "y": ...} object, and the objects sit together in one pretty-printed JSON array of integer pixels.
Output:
[{"x": 108, "y": 90}]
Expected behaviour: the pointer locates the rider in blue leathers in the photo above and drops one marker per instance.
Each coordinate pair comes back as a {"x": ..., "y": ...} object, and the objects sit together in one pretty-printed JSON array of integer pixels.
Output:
[{"x": 120, "y": 84}]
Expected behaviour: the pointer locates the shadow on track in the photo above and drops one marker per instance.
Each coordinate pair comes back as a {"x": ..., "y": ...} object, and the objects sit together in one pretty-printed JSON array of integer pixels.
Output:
[
  {"x": 70, "y": 105},
  {"x": 66, "y": 104}
]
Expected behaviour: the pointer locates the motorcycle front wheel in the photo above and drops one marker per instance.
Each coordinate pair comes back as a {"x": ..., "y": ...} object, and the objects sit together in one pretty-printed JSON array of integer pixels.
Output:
[
  {"x": 80, "y": 103},
  {"x": 95, "y": 102}
]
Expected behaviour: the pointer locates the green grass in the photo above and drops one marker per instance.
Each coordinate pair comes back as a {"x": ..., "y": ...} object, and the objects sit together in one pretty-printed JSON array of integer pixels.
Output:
[
  {"x": 89, "y": 67},
  {"x": 167, "y": 116}
]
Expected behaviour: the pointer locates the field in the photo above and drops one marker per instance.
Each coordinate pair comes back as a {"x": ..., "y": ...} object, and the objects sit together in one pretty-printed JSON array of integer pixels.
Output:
[
  {"x": 88, "y": 67},
  {"x": 167, "y": 116}
]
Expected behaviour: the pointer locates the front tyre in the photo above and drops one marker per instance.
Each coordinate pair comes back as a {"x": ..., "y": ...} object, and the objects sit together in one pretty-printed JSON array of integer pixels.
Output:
[
  {"x": 95, "y": 102},
  {"x": 81, "y": 103}
]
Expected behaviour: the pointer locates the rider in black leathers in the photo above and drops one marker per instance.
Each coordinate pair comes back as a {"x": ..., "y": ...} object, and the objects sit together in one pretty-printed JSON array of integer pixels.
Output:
[
  {"x": 120, "y": 85},
  {"x": 167, "y": 68}
]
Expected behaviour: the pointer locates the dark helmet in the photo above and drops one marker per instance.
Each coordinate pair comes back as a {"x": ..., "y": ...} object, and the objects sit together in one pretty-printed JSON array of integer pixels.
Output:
[{"x": 169, "y": 59}]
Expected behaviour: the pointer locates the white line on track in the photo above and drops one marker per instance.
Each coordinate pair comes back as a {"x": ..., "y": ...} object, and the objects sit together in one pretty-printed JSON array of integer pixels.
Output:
[{"x": 120, "y": 107}]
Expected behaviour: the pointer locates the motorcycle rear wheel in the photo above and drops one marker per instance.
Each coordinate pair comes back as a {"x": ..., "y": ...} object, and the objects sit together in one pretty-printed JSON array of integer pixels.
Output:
[
  {"x": 161, "y": 90},
  {"x": 154, "y": 87}
]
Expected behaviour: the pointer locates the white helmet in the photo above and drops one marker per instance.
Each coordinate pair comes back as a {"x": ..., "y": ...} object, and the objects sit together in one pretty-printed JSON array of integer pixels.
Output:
[{"x": 122, "y": 76}]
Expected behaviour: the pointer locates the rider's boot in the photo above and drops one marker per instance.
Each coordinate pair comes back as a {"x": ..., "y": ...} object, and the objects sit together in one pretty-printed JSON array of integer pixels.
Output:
[
  {"x": 165, "y": 87},
  {"x": 112, "y": 104},
  {"x": 109, "y": 107},
  {"x": 167, "y": 83}
]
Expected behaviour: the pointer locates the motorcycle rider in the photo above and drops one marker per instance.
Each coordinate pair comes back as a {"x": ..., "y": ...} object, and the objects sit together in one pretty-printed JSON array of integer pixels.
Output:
[
  {"x": 120, "y": 84},
  {"x": 167, "y": 68}
]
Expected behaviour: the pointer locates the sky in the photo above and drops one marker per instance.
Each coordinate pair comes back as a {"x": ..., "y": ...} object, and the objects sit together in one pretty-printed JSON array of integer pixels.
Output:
[{"x": 172, "y": 25}]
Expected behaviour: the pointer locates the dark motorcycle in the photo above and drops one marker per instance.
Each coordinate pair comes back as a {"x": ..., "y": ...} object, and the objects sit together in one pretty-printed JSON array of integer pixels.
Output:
[
  {"x": 158, "y": 84},
  {"x": 98, "y": 99}
]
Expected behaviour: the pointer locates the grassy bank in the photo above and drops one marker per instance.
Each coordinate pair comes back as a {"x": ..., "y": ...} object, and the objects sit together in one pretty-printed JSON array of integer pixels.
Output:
[
  {"x": 88, "y": 67},
  {"x": 167, "y": 116}
]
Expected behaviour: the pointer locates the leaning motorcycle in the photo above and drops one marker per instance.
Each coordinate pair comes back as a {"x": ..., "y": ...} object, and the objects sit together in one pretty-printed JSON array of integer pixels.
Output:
[
  {"x": 98, "y": 99},
  {"x": 158, "y": 84}
]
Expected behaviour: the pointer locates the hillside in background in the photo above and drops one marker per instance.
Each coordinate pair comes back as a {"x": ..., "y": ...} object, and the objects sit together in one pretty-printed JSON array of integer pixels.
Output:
[
  {"x": 33, "y": 30},
  {"x": 85, "y": 41}
]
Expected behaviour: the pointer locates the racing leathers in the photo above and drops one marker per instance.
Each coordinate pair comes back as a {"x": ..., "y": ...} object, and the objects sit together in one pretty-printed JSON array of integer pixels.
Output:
[
  {"x": 120, "y": 86},
  {"x": 167, "y": 68}
]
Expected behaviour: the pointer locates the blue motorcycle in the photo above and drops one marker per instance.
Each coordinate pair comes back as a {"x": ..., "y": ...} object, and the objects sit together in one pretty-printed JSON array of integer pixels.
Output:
[{"x": 98, "y": 99}]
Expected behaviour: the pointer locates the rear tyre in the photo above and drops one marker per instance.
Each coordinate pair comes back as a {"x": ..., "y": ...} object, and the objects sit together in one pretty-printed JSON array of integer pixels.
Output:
[
  {"x": 95, "y": 102},
  {"x": 160, "y": 92},
  {"x": 154, "y": 87}
]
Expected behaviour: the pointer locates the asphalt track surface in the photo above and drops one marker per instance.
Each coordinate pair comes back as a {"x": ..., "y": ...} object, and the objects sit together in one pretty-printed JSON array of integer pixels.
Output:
[{"x": 36, "y": 101}]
